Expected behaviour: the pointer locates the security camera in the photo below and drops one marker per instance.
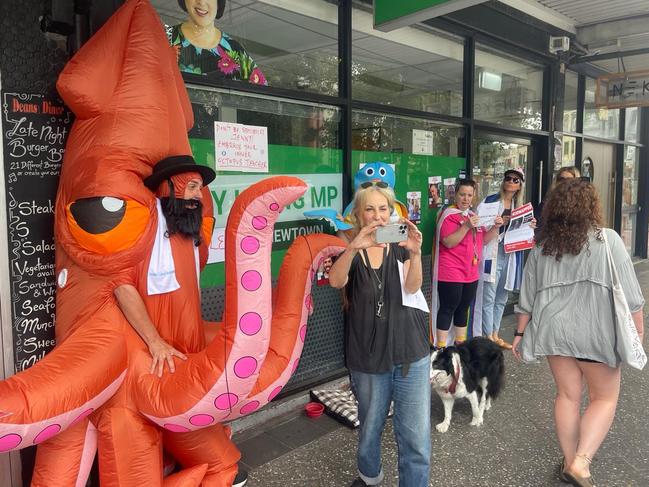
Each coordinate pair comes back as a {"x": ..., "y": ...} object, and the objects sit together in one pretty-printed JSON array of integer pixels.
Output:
[{"x": 559, "y": 44}]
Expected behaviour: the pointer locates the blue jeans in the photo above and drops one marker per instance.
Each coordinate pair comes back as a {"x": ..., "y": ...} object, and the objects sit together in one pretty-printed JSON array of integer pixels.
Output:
[
  {"x": 494, "y": 295},
  {"x": 411, "y": 397}
]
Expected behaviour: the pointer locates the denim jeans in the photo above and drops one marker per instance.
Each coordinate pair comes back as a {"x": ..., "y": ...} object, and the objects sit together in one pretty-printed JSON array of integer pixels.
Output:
[
  {"x": 411, "y": 422},
  {"x": 494, "y": 295}
]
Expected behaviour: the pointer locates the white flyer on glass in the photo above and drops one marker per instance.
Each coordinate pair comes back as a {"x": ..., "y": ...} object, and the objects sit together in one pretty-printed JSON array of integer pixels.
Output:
[
  {"x": 242, "y": 148},
  {"x": 488, "y": 213},
  {"x": 416, "y": 300},
  {"x": 520, "y": 234},
  {"x": 422, "y": 142}
]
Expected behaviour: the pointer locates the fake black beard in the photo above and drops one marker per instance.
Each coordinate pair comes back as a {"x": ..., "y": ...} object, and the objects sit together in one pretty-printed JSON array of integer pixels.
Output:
[{"x": 181, "y": 219}]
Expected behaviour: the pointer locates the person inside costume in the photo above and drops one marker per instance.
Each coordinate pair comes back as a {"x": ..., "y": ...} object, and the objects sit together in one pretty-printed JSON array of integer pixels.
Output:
[
  {"x": 158, "y": 287},
  {"x": 456, "y": 271},
  {"x": 387, "y": 351},
  {"x": 204, "y": 49},
  {"x": 566, "y": 312},
  {"x": 502, "y": 272}
]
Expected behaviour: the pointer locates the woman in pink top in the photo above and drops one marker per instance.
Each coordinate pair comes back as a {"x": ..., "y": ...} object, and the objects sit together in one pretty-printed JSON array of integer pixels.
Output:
[{"x": 459, "y": 250}]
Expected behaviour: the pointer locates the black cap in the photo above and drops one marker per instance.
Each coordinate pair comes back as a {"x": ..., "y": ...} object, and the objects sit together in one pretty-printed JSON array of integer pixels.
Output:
[{"x": 172, "y": 165}]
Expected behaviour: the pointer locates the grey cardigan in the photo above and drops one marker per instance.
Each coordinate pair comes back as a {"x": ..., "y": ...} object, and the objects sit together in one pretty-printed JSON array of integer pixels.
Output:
[{"x": 571, "y": 302}]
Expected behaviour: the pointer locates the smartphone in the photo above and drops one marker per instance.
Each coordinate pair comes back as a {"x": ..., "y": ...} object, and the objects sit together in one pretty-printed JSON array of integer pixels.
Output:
[{"x": 394, "y": 232}]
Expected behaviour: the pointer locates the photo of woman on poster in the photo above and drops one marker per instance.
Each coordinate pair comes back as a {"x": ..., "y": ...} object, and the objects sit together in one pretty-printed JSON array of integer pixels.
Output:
[
  {"x": 204, "y": 49},
  {"x": 449, "y": 190},
  {"x": 434, "y": 192},
  {"x": 414, "y": 206}
]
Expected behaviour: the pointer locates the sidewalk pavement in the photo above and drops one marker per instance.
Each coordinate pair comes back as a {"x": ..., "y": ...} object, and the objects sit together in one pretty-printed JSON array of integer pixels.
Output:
[{"x": 516, "y": 446}]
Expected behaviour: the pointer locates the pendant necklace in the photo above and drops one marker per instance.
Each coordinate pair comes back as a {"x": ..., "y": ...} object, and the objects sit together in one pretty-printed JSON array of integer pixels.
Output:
[{"x": 379, "y": 280}]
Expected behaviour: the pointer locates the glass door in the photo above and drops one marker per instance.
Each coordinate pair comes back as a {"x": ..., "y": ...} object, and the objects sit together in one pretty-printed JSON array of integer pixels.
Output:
[{"x": 493, "y": 155}]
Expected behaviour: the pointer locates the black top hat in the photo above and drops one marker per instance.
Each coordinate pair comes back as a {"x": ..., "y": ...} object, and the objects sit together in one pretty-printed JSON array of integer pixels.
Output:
[{"x": 169, "y": 166}]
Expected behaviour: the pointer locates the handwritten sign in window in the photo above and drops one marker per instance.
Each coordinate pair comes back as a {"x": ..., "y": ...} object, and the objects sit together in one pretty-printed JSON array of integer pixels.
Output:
[
  {"x": 239, "y": 147},
  {"x": 35, "y": 129}
]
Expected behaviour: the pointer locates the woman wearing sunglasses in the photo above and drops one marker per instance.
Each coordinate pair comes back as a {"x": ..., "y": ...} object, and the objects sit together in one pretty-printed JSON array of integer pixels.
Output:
[{"x": 501, "y": 272}]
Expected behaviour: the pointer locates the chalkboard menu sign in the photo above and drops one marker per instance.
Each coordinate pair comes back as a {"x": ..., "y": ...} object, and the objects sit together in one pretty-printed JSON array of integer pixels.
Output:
[{"x": 35, "y": 129}]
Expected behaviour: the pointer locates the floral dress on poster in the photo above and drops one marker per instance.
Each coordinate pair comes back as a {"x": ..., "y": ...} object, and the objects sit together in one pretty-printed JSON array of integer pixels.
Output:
[{"x": 228, "y": 58}]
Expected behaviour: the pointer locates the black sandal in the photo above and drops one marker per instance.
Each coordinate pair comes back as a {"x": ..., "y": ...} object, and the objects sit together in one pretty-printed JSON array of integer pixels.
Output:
[
  {"x": 580, "y": 481},
  {"x": 562, "y": 471}
]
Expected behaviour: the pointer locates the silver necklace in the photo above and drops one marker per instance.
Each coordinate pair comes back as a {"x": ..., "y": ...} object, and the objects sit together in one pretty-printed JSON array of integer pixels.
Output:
[{"x": 378, "y": 279}]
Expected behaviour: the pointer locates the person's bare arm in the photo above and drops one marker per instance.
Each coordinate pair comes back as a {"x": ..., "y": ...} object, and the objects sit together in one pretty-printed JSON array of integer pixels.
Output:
[
  {"x": 458, "y": 235},
  {"x": 413, "y": 277},
  {"x": 523, "y": 319},
  {"x": 131, "y": 304}
]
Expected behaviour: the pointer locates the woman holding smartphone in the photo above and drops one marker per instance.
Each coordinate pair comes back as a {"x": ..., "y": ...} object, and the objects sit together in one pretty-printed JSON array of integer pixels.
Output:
[
  {"x": 386, "y": 343},
  {"x": 458, "y": 251}
]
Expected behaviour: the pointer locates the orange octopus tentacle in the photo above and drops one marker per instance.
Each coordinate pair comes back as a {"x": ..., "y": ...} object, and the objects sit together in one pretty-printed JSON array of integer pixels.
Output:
[
  {"x": 41, "y": 401},
  {"x": 66, "y": 459},
  {"x": 217, "y": 379}
]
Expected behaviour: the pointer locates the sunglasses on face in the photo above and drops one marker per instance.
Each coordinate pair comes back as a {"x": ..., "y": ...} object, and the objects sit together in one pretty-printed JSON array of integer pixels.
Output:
[
  {"x": 379, "y": 184},
  {"x": 512, "y": 179}
]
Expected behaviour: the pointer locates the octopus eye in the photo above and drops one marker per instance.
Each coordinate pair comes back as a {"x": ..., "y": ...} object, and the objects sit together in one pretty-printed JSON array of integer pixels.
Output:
[
  {"x": 382, "y": 171},
  {"x": 98, "y": 215},
  {"x": 105, "y": 224},
  {"x": 369, "y": 171}
]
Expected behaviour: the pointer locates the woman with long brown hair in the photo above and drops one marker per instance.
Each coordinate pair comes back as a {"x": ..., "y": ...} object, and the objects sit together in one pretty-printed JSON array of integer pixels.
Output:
[{"x": 565, "y": 313}]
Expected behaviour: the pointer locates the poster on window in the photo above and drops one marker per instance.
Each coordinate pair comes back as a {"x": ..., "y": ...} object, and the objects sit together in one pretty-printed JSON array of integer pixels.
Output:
[
  {"x": 449, "y": 191},
  {"x": 434, "y": 191},
  {"x": 324, "y": 191},
  {"x": 240, "y": 148},
  {"x": 414, "y": 206}
]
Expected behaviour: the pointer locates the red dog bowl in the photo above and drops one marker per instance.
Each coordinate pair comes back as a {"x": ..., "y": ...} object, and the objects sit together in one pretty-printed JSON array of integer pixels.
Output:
[{"x": 314, "y": 409}]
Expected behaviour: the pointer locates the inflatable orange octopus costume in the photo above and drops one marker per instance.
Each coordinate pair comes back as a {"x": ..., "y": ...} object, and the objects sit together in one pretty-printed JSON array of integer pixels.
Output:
[{"x": 94, "y": 390}]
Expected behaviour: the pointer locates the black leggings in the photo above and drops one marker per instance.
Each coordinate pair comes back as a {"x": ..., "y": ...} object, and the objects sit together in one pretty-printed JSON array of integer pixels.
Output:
[{"x": 454, "y": 301}]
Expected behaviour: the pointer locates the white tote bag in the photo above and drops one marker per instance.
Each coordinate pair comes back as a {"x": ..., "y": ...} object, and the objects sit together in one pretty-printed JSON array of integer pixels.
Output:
[{"x": 628, "y": 345}]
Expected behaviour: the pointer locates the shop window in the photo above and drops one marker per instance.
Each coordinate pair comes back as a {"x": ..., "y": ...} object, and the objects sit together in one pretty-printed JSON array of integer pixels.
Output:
[
  {"x": 570, "y": 102},
  {"x": 492, "y": 158},
  {"x": 426, "y": 157},
  {"x": 630, "y": 197},
  {"x": 302, "y": 139},
  {"x": 414, "y": 67},
  {"x": 632, "y": 124},
  {"x": 508, "y": 90},
  {"x": 567, "y": 152},
  {"x": 599, "y": 122},
  {"x": 289, "y": 44}
]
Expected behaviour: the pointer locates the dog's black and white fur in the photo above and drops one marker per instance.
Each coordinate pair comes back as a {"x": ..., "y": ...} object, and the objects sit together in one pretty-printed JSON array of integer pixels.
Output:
[{"x": 475, "y": 370}]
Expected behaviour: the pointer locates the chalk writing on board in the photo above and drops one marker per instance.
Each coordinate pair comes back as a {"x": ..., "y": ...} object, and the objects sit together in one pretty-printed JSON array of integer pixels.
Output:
[{"x": 35, "y": 129}]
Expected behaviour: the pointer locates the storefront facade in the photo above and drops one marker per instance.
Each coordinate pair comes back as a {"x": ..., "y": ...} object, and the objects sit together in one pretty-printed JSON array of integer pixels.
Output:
[{"x": 473, "y": 93}]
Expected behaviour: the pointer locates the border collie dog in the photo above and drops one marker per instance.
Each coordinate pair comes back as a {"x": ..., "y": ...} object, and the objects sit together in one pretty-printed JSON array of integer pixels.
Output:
[{"x": 474, "y": 369}]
